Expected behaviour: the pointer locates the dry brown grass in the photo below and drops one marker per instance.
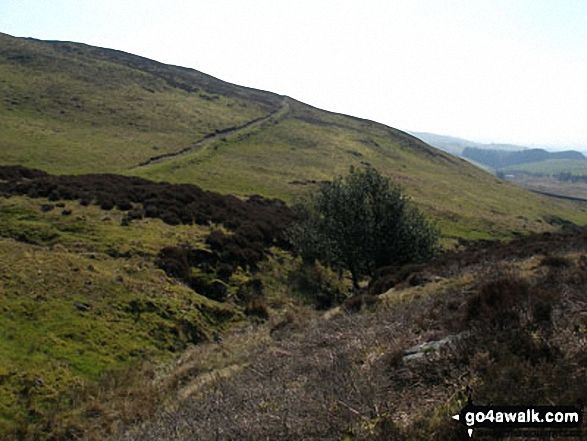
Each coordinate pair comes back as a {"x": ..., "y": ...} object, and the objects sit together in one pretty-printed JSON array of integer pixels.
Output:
[{"x": 346, "y": 376}]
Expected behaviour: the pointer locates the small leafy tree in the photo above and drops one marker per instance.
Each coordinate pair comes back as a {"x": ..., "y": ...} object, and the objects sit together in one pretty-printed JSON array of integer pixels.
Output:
[{"x": 362, "y": 222}]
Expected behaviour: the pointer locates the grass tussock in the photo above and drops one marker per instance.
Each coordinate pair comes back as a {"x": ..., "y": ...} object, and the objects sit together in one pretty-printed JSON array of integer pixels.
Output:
[
  {"x": 84, "y": 306},
  {"x": 90, "y": 299},
  {"x": 510, "y": 330}
]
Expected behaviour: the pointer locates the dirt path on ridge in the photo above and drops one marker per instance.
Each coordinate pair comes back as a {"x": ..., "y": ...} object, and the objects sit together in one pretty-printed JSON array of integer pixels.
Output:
[{"x": 213, "y": 136}]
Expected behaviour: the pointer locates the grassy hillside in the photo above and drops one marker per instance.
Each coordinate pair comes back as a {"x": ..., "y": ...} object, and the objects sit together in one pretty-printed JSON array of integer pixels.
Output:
[
  {"x": 97, "y": 314},
  {"x": 72, "y": 108},
  {"x": 106, "y": 280},
  {"x": 500, "y": 159},
  {"x": 73, "y": 311},
  {"x": 552, "y": 167},
  {"x": 287, "y": 156},
  {"x": 104, "y": 277}
]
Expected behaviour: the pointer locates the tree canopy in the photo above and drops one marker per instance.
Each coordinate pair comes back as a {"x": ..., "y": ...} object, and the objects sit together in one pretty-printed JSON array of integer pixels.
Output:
[{"x": 361, "y": 222}]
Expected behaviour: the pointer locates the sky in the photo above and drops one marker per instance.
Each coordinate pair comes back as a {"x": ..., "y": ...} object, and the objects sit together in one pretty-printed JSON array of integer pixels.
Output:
[{"x": 502, "y": 71}]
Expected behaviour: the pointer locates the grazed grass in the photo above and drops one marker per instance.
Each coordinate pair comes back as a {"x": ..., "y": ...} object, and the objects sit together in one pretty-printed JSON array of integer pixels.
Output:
[
  {"x": 285, "y": 159},
  {"x": 72, "y": 310},
  {"x": 70, "y": 108},
  {"x": 95, "y": 114}
]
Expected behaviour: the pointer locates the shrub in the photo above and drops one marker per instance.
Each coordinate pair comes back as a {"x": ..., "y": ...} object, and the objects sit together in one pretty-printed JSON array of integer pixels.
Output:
[
  {"x": 106, "y": 204},
  {"x": 495, "y": 301},
  {"x": 250, "y": 289},
  {"x": 356, "y": 303},
  {"x": 224, "y": 271},
  {"x": 173, "y": 260},
  {"x": 362, "y": 222},
  {"x": 123, "y": 204},
  {"x": 257, "y": 307},
  {"x": 556, "y": 262},
  {"x": 170, "y": 218},
  {"x": 318, "y": 285},
  {"x": 388, "y": 277},
  {"x": 261, "y": 221},
  {"x": 135, "y": 214}
]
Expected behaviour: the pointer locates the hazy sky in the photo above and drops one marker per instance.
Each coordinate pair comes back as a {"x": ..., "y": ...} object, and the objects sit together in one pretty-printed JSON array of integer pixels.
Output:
[{"x": 487, "y": 70}]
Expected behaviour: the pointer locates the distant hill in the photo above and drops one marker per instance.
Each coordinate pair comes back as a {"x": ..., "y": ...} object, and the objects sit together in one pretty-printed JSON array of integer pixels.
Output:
[
  {"x": 455, "y": 146},
  {"x": 70, "y": 108},
  {"x": 494, "y": 156},
  {"x": 501, "y": 159},
  {"x": 552, "y": 167}
]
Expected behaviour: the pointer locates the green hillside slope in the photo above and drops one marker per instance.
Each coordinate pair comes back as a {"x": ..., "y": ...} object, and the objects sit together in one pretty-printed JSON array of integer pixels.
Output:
[
  {"x": 101, "y": 275},
  {"x": 72, "y": 108},
  {"x": 552, "y": 167},
  {"x": 500, "y": 159},
  {"x": 107, "y": 279},
  {"x": 81, "y": 297}
]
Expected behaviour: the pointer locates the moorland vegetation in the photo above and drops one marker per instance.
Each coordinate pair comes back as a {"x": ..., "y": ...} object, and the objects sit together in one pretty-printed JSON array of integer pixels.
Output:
[
  {"x": 68, "y": 108},
  {"x": 122, "y": 314},
  {"x": 504, "y": 322},
  {"x": 138, "y": 303}
]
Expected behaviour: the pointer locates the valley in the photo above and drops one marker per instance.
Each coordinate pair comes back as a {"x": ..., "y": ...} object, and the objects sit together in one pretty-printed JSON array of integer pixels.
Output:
[{"x": 149, "y": 288}]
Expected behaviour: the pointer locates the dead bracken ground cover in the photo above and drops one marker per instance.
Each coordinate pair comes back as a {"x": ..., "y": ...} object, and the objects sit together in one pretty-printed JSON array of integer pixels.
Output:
[
  {"x": 509, "y": 321},
  {"x": 505, "y": 319}
]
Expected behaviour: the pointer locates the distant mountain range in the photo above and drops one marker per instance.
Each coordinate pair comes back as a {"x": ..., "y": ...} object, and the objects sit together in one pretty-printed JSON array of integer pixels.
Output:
[
  {"x": 499, "y": 159},
  {"x": 495, "y": 156},
  {"x": 455, "y": 146}
]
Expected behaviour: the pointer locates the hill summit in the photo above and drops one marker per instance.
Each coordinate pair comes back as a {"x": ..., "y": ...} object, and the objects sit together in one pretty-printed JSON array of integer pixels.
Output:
[{"x": 70, "y": 108}]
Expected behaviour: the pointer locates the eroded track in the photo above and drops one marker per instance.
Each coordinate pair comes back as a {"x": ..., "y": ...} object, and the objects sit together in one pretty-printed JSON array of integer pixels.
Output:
[{"x": 218, "y": 134}]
